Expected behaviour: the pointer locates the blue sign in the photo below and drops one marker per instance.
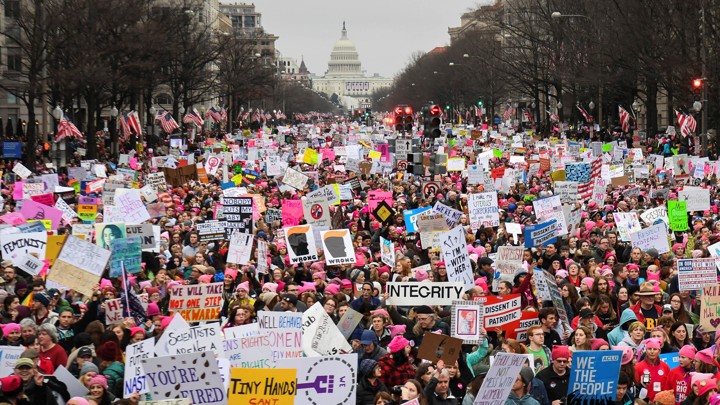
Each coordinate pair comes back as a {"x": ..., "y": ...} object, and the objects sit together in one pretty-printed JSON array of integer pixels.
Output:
[
  {"x": 227, "y": 185},
  {"x": 672, "y": 359},
  {"x": 594, "y": 376},
  {"x": 12, "y": 150},
  {"x": 540, "y": 234},
  {"x": 411, "y": 217},
  {"x": 127, "y": 252}
]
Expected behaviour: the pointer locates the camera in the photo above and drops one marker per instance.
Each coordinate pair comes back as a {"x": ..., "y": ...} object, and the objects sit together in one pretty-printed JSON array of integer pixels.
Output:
[{"x": 396, "y": 390}]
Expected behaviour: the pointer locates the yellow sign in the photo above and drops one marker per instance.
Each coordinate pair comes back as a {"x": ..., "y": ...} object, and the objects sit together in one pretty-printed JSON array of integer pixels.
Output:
[
  {"x": 54, "y": 244},
  {"x": 374, "y": 154},
  {"x": 87, "y": 212},
  {"x": 259, "y": 386},
  {"x": 47, "y": 223},
  {"x": 310, "y": 156},
  {"x": 558, "y": 175},
  {"x": 237, "y": 179}
]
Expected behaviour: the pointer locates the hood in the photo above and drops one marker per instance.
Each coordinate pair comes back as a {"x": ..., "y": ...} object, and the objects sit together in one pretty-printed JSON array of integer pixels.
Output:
[{"x": 628, "y": 316}]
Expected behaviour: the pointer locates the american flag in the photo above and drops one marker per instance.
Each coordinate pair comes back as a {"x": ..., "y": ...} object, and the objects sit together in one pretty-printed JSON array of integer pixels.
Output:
[
  {"x": 553, "y": 117},
  {"x": 194, "y": 117},
  {"x": 585, "y": 189},
  {"x": 624, "y": 119},
  {"x": 130, "y": 122},
  {"x": 687, "y": 123},
  {"x": 509, "y": 111},
  {"x": 214, "y": 113},
  {"x": 588, "y": 117},
  {"x": 167, "y": 122},
  {"x": 66, "y": 128},
  {"x": 223, "y": 115},
  {"x": 527, "y": 115}
]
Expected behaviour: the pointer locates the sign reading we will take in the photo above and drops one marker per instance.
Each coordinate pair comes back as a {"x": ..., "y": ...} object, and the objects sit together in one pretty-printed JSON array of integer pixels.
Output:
[{"x": 199, "y": 302}]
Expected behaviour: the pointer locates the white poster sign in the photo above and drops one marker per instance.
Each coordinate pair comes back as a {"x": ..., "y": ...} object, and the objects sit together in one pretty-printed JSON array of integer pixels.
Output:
[
  {"x": 338, "y": 247},
  {"x": 457, "y": 260},
  {"x": 320, "y": 334}
]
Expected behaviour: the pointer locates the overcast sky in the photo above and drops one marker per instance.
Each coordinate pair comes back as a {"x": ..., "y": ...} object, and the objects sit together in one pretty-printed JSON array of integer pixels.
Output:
[{"x": 385, "y": 32}]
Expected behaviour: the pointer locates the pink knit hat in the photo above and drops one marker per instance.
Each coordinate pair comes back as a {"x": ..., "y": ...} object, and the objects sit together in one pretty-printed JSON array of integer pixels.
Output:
[
  {"x": 272, "y": 287},
  {"x": 100, "y": 380},
  {"x": 705, "y": 356},
  {"x": 244, "y": 286},
  {"x": 397, "y": 343},
  {"x": 333, "y": 289},
  {"x": 421, "y": 275},
  {"x": 396, "y": 330},
  {"x": 627, "y": 355},
  {"x": 205, "y": 279},
  {"x": 688, "y": 351},
  {"x": 589, "y": 281}
]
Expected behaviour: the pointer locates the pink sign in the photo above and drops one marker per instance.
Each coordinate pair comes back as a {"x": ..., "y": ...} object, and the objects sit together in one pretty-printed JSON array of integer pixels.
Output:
[
  {"x": 375, "y": 196},
  {"x": 35, "y": 210},
  {"x": 17, "y": 191},
  {"x": 292, "y": 212},
  {"x": 45, "y": 199},
  {"x": 13, "y": 218}
]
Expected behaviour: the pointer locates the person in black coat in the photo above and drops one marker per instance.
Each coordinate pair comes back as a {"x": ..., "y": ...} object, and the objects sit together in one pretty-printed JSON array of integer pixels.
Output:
[{"x": 369, "y": 385}]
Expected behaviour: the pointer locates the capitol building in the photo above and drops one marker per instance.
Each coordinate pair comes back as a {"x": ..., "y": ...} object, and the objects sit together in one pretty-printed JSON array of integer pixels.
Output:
[{"x": 346, "y": 78}]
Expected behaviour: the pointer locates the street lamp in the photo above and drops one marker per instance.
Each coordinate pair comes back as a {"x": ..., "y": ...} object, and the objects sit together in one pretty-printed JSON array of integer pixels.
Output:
[
  {"x": 559, "y": 105},
  {"x": 557, "y": 15},
  {"x": 697, "y": 105},
  {"x": 591, "y": 105},
  {"x": 57, "y": 112},
  {"x": 152, "y": 112},
  {"x": 181, "y": 110},
  {"x": 636, "y": 105}
]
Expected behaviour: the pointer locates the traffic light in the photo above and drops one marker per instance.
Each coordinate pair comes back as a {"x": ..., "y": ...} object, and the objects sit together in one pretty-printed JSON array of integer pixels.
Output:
[
  {"x": 697, "y": 85},
  {"x": 408, "y": 119},
  {"x": 399, "y": 118},
  {"x": 432, "y": 121}
]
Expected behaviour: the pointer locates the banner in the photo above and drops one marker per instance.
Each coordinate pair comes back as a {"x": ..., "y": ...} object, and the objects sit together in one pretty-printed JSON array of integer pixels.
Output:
[
  {"x": 677, "y": 215},
  {"x": 338, "y": 247},
  {"x": 320, "y": 334},
  {"x": 483, "y": 210},
  {"x": 16, "y": 245},
  {"x": 694, "y": 274},
  {"x": 179, "y": 376},
  {"x": 509, "y": 259},
  {"x": 594, "y": 376},
  {"x": 387, "y": 252},
  {"x": 540, "y": 234},
  {"x": 414, "y": 294},
  {"x": 78, "y": 266},
  {"x": 338, "y": 373},
  {"x": 135, "y": 380},
  {"x": 457, "y": 260},
  {"x": 197, "y": 302},
  {"x": 263, "y": 386},
  {"x": 300, "y": 242},
  {"x": 466, "y": 319},
  {"x": 238, "y": 212},
  {"x": 500, "y": 379}
]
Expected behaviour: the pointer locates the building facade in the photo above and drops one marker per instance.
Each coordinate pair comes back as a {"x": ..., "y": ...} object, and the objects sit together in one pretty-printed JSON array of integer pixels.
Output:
[
  {"x": 246, "y": 20},
  {"x": 345, "y": 77}
]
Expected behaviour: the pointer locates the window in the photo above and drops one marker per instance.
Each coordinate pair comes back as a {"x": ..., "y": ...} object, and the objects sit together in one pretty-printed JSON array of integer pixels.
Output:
[
  {"x": 249, "y": 21},
  {"x": 12, "y": 8},
  {"x": 11, "y": 99},
  {"x": 14, "y": 60},
  {"x": 164, "y": 99}
]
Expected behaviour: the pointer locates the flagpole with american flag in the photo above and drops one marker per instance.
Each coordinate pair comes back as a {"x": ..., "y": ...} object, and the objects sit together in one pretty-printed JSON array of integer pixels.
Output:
[
  {"x": 687, "y": 123},
  {"x": 167, "y": 122},
  {"x": 624, "y": 119},
  {"x": 67, "y": 128}
]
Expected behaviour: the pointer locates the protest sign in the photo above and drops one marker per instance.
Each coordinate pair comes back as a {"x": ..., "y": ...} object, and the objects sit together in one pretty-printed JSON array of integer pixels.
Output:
[
  {"x": 21, "y": 170},
  {"x": 31, "y": 264},
  {"x": 240, "y": 248},
  {"x": 156, "y": 181},
  {"x": 551, "y": 208},
  {"x": 35, "y": 210},
  {"x": 475, "y": 174},
  {"x": 413, "y": 293},
  {"x": 338, "y": 247},
  {"x": 78, "y": 266},
  {"x": 387, "y": 252},
  {"x": 337, "y": 373},
  {"x": 300, "y": 242},
  {"x": 466, "y": 319},
  {"x": 145, "y": 232},
  {"x": 652, "y": 215},
  {"x": 284, "y": 333},
  {"x": 483, "y": 210},
  {"x": 349, "y": 321},
  {"x": 500, "y": 379},
  {"x": 436, "y": 347},
  {"x": 134, "y": 374},
  {"x": 262, "y": 386},
  {"x": 181, "y": 401},
  {"x": 499, "y": 311},
  {"x": 627, "y": 223},
  {"x": 566, "y": 190},
  {"x": 653, "y": 237},
  {"x": 320, "y": 334},
  {"x": 677, "y": 214},
  {"x": 710, "y": 307},
  {"x": 452, "y": 216},
  {"x": 509, "y": 259},
  {"x": 693, "y": 274},
  {"x": 113, "y": 311},
  {"x": 249, "y": 351},
  {"x": 411, "y": 217},
  {"x": 696, "y": 198},
  {"x": 131, "y": 206},
  {"x": 540, "y": 234},
  {"x": 197, "y": 302},
  {"x": 238, "y": 212},
  {"x": 594, "y": 376},
  {"x": 556, "y": 299},
  {"x": 126, "y": 253},
  {"x": 196, "y": 339},
  {"x": 317, "y": 212},
  {"x": 194, "y": 376},
  {"x": 457, "y": 260},
  {"x": 599, "y": 191},
  {"x": 211, "y": 230},
  {"x": 9, "y": 355},
  {"x": 295, "y": 179},
  {"x": 16, "y": 245}
]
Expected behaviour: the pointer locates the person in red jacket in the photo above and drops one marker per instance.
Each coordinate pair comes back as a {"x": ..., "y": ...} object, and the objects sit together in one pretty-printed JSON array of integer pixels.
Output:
[
  {"x": 652, "y": 373},
  {"x": 680, "y": 378},
  {"x": 646, "y": 310}
]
